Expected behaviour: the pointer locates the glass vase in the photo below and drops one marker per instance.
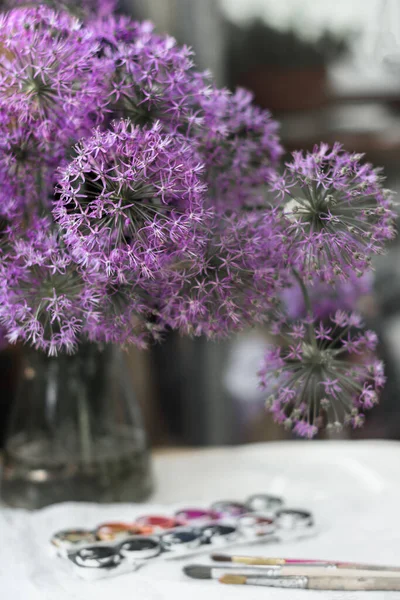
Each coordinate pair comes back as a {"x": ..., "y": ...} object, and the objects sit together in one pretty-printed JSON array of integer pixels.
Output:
[{"x": 75, "y": 432}]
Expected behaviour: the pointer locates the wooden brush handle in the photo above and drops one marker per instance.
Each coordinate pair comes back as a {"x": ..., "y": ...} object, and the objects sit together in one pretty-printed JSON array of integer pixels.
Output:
[
  {"x": 333, "y": 583},
  {"x": 367, "y": 567},
  {"x": 388, "y": 584},
  {"x": 259, "y": 560},
  {"x": 309, "y": 571}
]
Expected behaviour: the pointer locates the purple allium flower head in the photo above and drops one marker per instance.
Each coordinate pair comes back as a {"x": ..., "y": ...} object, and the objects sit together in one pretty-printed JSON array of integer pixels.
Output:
[
  {"x": 338, "y": 213},
  {"x": 237, "y": 283},
  {"x": 240, "y": 148},
  {"x": 322, "y": 374},
  {"x": 48, "y": 72},
  {"x": 152, "y": 78},
  {"x": 11, "y": 204},
  {"x": 129, "y": 198},
  {"x": 44, "y": 300},
  {"x": 27, "y": 166}
]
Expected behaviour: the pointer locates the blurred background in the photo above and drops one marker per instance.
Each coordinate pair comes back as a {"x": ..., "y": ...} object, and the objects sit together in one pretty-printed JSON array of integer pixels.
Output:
[{"x": 328, "y": 71}]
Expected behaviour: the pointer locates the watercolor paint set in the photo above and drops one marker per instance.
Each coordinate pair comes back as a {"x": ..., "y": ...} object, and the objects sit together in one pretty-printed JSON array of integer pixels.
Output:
[{"x": 118, "y": 547}]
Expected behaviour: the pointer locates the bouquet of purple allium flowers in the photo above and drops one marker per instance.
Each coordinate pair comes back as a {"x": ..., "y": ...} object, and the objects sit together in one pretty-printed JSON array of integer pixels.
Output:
[{"x": 136, "y": 197}]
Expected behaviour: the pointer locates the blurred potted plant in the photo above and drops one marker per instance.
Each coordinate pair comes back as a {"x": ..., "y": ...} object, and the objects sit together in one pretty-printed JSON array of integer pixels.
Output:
[{"x": 284, "y": 71}]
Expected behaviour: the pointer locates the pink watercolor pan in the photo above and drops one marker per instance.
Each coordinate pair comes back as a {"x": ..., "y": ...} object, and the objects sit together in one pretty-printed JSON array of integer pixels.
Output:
[{"x": 197, "y": 516}]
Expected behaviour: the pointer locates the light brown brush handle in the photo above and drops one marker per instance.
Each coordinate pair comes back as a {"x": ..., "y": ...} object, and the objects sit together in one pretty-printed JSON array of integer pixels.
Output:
[
  {"x": 279, "y": 572},
  {"x": 388, "y": 584},
  {"x": 309, "y": 571},
  {"x": 257, "y": 560},
  {"x": 367, "y": 567}
]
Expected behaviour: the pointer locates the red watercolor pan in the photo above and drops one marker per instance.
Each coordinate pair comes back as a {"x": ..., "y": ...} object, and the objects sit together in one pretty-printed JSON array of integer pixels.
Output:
[{"x": 158, "y": 522}]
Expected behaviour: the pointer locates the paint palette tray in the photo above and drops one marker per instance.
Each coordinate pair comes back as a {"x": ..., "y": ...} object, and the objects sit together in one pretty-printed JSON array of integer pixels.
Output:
[{"x": 117, "y": 547}]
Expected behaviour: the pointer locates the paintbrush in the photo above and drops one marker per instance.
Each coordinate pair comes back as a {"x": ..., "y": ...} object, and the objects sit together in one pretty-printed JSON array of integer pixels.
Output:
[
  {"x": 333, "y": 582},
  {"x": 280, "y": 562},
  {"x": 213, "y": 572}
]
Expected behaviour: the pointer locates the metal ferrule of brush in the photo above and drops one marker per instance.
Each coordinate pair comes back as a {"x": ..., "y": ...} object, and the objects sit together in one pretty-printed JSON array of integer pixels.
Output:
[{"x": 299, "y": 583}]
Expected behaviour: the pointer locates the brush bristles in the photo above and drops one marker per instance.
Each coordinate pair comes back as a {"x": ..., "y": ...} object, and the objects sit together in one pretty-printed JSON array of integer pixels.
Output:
[
  {"x": 248, "y": 560},
  {"x": 197, "y": 571},
  {"x": 221, "y": 557}
]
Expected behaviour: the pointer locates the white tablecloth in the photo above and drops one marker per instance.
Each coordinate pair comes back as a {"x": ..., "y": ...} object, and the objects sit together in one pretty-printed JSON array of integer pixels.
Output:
[{"x": 352, "y": 487}]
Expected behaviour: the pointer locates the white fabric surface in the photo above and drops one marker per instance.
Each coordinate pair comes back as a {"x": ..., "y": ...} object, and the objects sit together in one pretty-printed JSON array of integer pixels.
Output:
[{"x": 352, "y": 487}]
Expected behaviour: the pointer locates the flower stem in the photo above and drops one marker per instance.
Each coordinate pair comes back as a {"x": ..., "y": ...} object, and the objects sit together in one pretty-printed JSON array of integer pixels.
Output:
[{"x": 308, "y": 306}]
